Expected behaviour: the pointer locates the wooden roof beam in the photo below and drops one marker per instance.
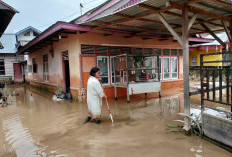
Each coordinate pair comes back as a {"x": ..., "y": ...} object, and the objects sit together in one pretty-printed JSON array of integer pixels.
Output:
[
  {"x": 193, "y": 1},
  {"x": 192, "y": 9},
  {"x": 221, "y": 3},
  {"x": 180, "y": 16},
  {"x": 213, "y": 34},
  {"x": 171, "y": 30},
  {"x": 227, "y": 31},
  {"x": 193, "y": 19}
]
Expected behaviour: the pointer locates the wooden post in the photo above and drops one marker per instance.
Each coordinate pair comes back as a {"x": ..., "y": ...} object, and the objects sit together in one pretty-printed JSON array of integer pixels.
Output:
[
  {"x": 230, "y": 49},
  {"x": 185, "y": 47}
]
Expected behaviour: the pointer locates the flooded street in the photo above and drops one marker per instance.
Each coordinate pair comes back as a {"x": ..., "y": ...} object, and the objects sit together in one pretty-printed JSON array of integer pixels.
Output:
[{"x": 35, "y": 126}]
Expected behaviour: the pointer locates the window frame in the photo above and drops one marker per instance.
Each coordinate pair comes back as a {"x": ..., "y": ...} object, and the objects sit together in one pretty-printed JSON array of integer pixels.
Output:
[
  {"x": 109, "y": 80},
  {"x": 45, "y": 73},
  {"x": 168, "y": 67},
  {"x": 177, "y": 69},
  {"x": 3, "y": 67},
  {"x": 194, "y": 62}
]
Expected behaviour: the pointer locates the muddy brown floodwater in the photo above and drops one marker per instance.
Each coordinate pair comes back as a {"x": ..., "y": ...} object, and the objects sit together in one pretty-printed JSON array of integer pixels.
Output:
[{"x": 35, "y": 126}]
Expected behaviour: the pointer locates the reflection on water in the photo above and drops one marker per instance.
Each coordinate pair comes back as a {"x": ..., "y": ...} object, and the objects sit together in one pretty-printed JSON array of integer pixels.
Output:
[
  {"x": 16, "y": 135},
  {"x": 33, "y": 125},
  {"x": 165, "y": 108}
]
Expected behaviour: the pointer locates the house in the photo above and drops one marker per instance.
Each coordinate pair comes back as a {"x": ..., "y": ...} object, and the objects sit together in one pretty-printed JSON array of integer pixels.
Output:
[
  {"x": 8, "y": 61},
  {"x": 65, "y": 52},
  {"x": 211, "y": 47},
  {"x": 25, "y": 35},
  {"x": 6, "y": 14},
  {"x": 10, "y": 64}
]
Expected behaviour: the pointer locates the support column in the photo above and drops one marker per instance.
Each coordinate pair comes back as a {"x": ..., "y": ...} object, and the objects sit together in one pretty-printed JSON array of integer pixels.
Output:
[
  {"x": 185, "y": 47},
  {"x": 230, "y": 49}
]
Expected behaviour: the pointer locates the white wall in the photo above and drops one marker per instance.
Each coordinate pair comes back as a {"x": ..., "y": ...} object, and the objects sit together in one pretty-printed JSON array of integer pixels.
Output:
[
  {"x": 21, "y": 36},
  {"x": 8, "y": 61}
]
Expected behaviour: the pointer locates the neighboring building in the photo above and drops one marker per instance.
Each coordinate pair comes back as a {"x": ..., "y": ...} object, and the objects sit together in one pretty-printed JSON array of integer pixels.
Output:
[
  {"x": 64, "y": 53},
  {"x": 6, "y": 14},
  {"x": 26, "y": 35},
  {"x": 213, "y": 47},
  {"x": 23, "y": 37},
  {"x": 10, "y": 65},
  {"x": 8, "y": 62}
]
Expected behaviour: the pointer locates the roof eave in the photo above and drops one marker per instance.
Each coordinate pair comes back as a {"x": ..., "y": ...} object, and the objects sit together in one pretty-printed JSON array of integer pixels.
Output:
[{"x": 51, "y": 30}]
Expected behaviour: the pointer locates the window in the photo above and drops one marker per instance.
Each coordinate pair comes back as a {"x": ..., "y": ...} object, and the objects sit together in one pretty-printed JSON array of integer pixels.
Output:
[
  {"x": 147, "y": 51},
  {"x": 103, "y": 65},
  {"x": 2, "y": 67},
  {"x": 180, "y": 53},
  {"x": 35, "y": 34},
  {"x": 102, "y": 50},
  {"x": 174, "y": 67},
  {"x": 166, "y": 67},
  {"x": 114, "y": 50},
  {"x": 85, "y": 49},
  {"x": 174, "y": 52},
  {"x": 157, "y": 52},
  {"x": 45, "y": 67},
  {"x": 160, "y": 67},
  {"x": 34, "y": 65},
  {"x": 138, "y": 50},
  {"x": 27, "y": 34},
  {"x": 166, "y": 52},
  {"x": 126, "y": 50},
  {"x": 194, "y": 61},
  {"x": 29, "y": 68}
]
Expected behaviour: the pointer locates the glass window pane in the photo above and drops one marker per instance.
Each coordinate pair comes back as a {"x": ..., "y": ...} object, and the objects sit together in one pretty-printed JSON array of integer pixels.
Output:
[
  {"x": 166, "y": 52},
  {"x": 126, "y": 50},
  {"x": 102, "y": 63},
  {"x": 102, "y": 50},
  {"x": 114, "y": 50},
  {"x": 174, "y": 75},
  {"x": 166, "y": 68},
  {"x": 157, "y": 51},
  {"x": 180, "y": 53},
  {"x": 2, "y": 72},
  {"x": 105, "y": 80},
  {"x": 86, "y": 49},
  {"x": 1, "y": 62},
  {"x": 174, "y": 64},
  {"x": 147, "y": 51},
  {"x": 174, "y": 52},
  {"x": 194, "y": 61},
  {"x": 138, "y": 50}
]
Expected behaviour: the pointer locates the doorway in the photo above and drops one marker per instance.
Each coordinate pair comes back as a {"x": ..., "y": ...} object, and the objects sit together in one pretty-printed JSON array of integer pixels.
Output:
[
  {"x": 66, "y": 72},
  {"x": 18, "y": 75},
  {"x": 67, "y": 75}
]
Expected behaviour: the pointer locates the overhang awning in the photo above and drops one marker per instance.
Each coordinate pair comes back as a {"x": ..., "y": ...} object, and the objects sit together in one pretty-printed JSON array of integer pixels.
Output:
[
  {"x": 140, "y": 17},
  {"x": 6, "y": 14}
]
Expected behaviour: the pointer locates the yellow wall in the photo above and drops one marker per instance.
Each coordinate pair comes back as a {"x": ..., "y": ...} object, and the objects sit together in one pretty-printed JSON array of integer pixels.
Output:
[{"x": 206, "y": 58}]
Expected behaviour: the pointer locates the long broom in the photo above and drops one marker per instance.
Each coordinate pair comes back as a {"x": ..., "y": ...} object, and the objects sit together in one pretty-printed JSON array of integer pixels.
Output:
[{"x": 111, "y": 117}]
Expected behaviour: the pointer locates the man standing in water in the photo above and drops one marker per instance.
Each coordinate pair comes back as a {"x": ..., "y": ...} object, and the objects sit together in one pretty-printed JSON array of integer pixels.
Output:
[{"x": 94, "y": 96}]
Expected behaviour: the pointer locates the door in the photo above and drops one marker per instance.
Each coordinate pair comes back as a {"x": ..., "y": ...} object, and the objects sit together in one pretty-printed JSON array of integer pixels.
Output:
[{"x": 18, "y": 75}]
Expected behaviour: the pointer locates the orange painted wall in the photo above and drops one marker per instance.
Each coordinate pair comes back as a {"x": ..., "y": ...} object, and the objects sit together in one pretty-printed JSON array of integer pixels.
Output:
[{"x": 73, "y": 43}]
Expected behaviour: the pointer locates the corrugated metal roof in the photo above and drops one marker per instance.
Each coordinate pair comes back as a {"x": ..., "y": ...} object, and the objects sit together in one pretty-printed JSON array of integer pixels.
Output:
[
  {"x": 28, "y": 28},
  {"x": 222, "y": 36},
  {"x": 9, "y": 43},
  {"x": 172, "y": 16}
]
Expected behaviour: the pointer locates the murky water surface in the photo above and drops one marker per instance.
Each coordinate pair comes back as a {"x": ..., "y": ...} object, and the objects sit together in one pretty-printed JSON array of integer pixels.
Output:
[{"x": 35, "y": 126}]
